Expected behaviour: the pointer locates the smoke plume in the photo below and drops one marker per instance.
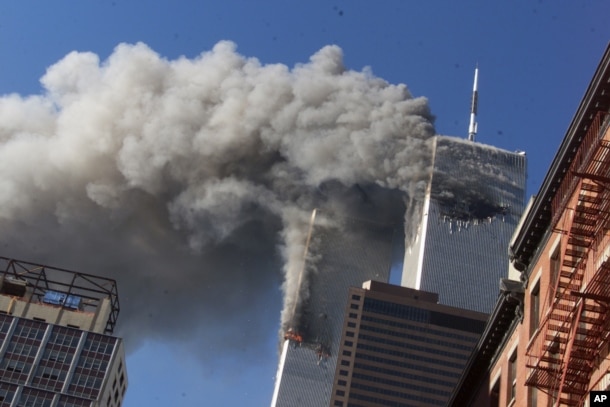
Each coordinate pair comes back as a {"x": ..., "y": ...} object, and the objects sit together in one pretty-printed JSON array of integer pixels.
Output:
[{"x": 191, "y": 181}]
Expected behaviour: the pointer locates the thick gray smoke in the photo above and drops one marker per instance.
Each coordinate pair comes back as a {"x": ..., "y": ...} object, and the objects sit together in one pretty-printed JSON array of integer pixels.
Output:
[{"x": 192, "y": 181}]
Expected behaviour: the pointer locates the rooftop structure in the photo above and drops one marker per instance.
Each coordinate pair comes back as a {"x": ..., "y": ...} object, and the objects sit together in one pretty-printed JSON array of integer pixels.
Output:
[
  {"x": 59, "y": 296},
  {"x": 54, "y": 348}
]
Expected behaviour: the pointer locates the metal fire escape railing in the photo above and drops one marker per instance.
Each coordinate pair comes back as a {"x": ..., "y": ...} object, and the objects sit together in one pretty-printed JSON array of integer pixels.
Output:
[{"x": 564, "y": 351}]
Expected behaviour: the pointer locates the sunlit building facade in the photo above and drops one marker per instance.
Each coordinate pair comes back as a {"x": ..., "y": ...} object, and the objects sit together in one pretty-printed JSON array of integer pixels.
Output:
[{"x": 55, "y": 347}]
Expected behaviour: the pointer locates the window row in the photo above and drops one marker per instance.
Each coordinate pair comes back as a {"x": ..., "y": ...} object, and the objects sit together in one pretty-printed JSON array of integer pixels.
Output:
[
  {"x": 425, "y": 349},
  {"x": 393, "y": 393},
  {"x": 427, "y": 329},
  {"x": 403, "y": 375},
  {"x": 400, "y": 359},
  {"x": 418, "y": 338}
]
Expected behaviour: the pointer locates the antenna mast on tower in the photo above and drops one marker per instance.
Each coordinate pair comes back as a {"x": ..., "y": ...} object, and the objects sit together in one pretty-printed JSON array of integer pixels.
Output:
[{"x": 472, "y": 129}]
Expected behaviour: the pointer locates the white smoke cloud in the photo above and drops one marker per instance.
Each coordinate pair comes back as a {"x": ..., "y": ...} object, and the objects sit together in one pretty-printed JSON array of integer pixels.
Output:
[{"x": 189, "y": 180}]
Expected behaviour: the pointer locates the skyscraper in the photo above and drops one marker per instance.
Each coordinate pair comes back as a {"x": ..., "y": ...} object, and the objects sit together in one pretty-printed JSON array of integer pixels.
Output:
[
  {"x": 341, "y": 253},
  {"x": 472, "y": 205},
  {"x": 400, "y": 347},
  {"x": 457, "y": 247},
  {"x": 555, "y": 350},
  {"x": 408, "y": 346},
  {"x": 55, "y": 347}
]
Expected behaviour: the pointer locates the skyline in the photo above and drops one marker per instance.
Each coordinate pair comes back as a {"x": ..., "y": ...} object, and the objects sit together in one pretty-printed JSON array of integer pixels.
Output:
[{"x": 534, "y": 61}]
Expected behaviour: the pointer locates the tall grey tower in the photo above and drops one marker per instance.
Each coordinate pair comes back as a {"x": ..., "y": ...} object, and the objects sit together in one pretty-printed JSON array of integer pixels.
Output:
[
  {"x": 457, "y": 247},
  {"x": 472, "y": 204},
  {"x": 342, "y": 252}
]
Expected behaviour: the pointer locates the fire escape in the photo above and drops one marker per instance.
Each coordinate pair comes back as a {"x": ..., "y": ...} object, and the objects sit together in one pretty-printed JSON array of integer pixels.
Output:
[{"x": 565, "y": 350}]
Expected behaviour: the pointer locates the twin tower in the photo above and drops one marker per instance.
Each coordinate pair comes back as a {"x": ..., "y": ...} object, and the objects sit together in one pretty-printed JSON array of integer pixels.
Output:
[{"x": 453, "y": 243}]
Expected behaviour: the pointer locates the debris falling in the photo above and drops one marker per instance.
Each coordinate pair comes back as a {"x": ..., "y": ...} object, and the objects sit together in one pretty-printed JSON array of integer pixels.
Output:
[{"x": 191, "y": 181}]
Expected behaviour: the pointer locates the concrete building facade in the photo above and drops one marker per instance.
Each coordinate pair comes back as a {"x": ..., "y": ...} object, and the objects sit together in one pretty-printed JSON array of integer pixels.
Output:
[
  {"x": 399, "y": 347},
  {"x": 55, "y": 347},
  {"x": 555, "y": 349}
]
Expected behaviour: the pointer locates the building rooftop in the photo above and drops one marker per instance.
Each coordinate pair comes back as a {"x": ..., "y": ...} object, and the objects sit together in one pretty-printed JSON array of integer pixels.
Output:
[
  {"x": 71, "y": 290},
  {"x": 540, "y": 218}
]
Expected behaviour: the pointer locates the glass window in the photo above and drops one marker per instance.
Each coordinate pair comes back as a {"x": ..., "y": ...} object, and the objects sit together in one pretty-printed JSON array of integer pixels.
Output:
[
  {"x": 30, "y": 329},
  {"x": 67, "y": 401},
  {"x": 64, "y": 336},
  {"x": 22, "y": 349},
  {"x": 58, "y": 356},
  {"x": 553, "y": 272},
  {"x": 512, "y": 378},
  {"x": 534, "y": 309},
  {"x": 35, "y": 398},
  {"x": 99, "y": 343},
  {"x": 494, "y": 395}
]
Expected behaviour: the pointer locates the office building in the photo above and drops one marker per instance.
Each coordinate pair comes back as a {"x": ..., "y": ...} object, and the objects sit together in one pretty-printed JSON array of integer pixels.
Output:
[
  {"x": 56, "y": 348},
  {"x": 341, "y": 253},
  {"x": 454, "y": 245},
  {"x": 472, "y": 205},
  {"x": 555, "y": 349},
  {"x": 401, "y": 348}
]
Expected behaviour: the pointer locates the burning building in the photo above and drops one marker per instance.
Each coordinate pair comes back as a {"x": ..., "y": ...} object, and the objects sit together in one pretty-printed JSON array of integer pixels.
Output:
[
  {"x": 472, "y": 206},
  {"x": 340, "y": 253},
  {"x": 455, "y": 244}
]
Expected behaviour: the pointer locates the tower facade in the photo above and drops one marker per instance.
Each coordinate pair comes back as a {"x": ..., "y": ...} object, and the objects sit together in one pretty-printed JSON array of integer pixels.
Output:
[
  {"x": 56, "y": 348},
  {"x": 400, "y": 347},
  {"x": 458, "y": 248},
  {"x": 340, "y": 254}
]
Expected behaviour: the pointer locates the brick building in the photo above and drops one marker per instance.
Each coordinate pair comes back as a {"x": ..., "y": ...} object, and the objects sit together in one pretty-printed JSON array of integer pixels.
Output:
[{"x": 547, "y": 341}]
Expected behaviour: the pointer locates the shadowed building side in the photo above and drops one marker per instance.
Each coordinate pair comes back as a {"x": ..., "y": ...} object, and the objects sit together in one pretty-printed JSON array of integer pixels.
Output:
[
  {"x": 343, "y": 252},
  {"x": 401, "y": 348}
]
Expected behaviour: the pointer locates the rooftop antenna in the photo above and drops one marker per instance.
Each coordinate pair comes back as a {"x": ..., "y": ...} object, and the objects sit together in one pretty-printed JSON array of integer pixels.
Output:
[{"x": 472, "y": 129}]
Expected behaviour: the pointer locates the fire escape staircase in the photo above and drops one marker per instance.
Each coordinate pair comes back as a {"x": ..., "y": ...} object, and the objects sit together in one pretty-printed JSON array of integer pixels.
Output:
[{"x": 563, "y": 353}]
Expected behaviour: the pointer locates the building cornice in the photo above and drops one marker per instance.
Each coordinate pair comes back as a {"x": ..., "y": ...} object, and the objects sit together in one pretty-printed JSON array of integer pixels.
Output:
[{"x": 538, "y": 219}]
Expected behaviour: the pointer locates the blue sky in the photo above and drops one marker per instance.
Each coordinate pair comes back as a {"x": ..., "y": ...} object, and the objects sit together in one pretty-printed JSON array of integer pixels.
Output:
[{"x": 535, "y": 60}]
